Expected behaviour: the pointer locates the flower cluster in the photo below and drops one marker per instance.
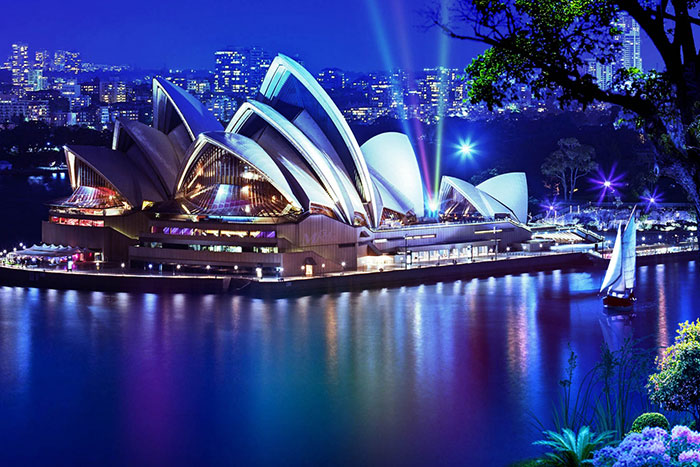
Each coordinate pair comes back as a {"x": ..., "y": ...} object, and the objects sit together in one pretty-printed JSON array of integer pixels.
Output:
[{"x": 653, "y": 447}]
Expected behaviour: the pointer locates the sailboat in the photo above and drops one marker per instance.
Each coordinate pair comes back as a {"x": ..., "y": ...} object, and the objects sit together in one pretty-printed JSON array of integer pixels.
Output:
[{"x": 620, "y": 277}]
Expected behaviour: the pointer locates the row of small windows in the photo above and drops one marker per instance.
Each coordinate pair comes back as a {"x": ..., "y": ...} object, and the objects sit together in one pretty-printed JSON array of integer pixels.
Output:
[
  {"x": 213, "y": 248},
  {"x": 193, "y": 232},
  {"x": 78, "y": 222}
]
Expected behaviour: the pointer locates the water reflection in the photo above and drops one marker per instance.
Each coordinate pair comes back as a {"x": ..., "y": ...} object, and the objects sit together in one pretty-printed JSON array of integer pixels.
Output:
[
  {"x": 435, "y": 373},
  {"x": 617, "y": 329}
]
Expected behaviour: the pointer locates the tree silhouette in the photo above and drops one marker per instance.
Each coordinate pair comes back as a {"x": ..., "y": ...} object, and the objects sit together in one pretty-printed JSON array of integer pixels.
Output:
[
  {"x": 568, "y": 164},
  {"x": 550, "y": 45}
]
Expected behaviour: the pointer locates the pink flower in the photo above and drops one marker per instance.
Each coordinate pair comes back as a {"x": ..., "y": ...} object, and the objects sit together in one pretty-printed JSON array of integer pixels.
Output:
[{"x": 689, "y": 456}]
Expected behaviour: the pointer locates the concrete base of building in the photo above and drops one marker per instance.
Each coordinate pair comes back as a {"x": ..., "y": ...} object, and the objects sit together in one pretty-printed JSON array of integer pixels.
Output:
[{"x": 112, "y": 282}]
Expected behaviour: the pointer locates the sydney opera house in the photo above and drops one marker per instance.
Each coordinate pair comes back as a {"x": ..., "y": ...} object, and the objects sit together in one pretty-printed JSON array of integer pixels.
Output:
[{"x": 284, "y": 189}]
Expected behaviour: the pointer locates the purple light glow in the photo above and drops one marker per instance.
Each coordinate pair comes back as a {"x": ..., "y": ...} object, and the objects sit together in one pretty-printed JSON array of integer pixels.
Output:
[
  {"x": 550, "y": 207},
  {"x": 651, "y": 198},
  {"x": 607, "y": 183}
]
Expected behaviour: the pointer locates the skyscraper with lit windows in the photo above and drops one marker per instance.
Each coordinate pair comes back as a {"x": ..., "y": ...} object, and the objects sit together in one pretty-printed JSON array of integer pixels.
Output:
[
  {"x": 230, "y": 71},
  {"x": 239, "y": 71},
  {"x": 20, "y": 65}
]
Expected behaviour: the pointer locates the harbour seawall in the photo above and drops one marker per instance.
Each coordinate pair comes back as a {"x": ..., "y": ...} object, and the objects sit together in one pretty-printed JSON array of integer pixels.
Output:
[{"x": 114, "y": 282}]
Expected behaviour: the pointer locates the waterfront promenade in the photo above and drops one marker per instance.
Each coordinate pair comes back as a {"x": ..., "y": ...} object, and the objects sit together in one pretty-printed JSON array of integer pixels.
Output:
[{"x": 129, "y": 280}]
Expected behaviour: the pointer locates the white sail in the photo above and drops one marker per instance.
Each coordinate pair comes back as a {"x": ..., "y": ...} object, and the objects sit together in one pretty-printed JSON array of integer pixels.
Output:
[
  {"x": 613, "y": 276},
  {"x": 629, "y": 253}
]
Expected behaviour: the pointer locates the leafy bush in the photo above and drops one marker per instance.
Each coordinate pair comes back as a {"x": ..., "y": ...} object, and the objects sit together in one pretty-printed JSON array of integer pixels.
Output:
[
  {"x": 653, "y": 447},
  {"x": 652, "y": 419},
  {"x": 571, "y": 449},
  {"x": 675, "y": 385}
]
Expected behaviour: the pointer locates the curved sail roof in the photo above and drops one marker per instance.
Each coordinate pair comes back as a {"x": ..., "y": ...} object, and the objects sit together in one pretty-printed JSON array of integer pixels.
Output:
[
  {"x": 391, "y": 155},
  {"x": 482, "y": 202},
  {"x": 306, "y": 93},
  {"x": 193, "y": 114},
  {"x": 155, "y": 147},
  {"x": 246, "y": 150},
  {"x": 388, "y": 198},
  {"x": 510, "y": 190},
  {"x": 331, "y": 176},
  {"x": 117, "y": 169}
]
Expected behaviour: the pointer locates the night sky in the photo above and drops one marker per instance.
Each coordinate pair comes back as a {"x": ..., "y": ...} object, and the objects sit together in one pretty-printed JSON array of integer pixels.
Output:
[{"x": 359, "y": 35}]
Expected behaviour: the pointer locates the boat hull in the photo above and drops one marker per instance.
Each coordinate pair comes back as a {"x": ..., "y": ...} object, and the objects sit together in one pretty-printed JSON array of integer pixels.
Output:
[{"x": 618, "y": 303}]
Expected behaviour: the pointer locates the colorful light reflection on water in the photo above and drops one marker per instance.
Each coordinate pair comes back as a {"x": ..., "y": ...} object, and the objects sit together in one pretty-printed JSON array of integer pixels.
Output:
[{"x": 435, "y": 373}]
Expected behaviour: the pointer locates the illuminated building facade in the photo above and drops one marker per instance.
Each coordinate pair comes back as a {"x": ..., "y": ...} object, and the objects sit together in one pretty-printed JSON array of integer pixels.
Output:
[
  {"x": 240, "y": 70},
  {"x": 20, "y": 65},
  {"x": 284, "y": 189}
]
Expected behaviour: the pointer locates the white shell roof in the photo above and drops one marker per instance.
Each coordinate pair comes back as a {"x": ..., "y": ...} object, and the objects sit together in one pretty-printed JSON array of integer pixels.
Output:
[
  {"x": 391, "y": 155},
  {"x": 511, "y": 190},
  {"x": 330, "y": 174},
  {"x": 279, "y": 71},
  {"x": 156, "y": 147},
  {"x": 482, "y": 202},
  {"x": 246, "y": 150},
  {"x": 118, "y": 170},
  {"x": 387, "y": 198},
  {"x": 195, "y": 116}
]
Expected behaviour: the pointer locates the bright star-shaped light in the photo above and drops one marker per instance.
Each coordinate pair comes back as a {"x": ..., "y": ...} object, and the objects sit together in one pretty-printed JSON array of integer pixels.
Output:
[
  {"x": 653, "y": 197},
  {"x": 606, "y": 183},
  {"x": 466, "y": 148}
]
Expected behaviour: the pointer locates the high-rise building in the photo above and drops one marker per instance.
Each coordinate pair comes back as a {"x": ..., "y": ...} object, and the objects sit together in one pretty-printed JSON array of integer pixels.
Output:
[
  {"x": 239, "y": 71},
  {"x": 36, "y": 81},
  {"x": 258, "y": 63},
  {"x": 20, "y": 65},
  {"x": 631, "y": 42},
  {"x": 435, "y": 91},
  {"x": 59, "y": 60},
  {"x": 91, "y": 88},
  {"x": 42, "y": 59},
  {"x": 229, "y": 72},
  {"x": 112, "y": 92},
  {"x": 73, "y": 62},
  {"x": 629, "y": 53}
]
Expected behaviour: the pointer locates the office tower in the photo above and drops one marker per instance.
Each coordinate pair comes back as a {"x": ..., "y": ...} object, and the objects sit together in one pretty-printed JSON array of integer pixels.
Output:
[
  {"x": 628, "y": 53},
  {"x": 631, "y": 43},
  {"x": 258, "y": 63},
  {"x": 42, "y": 59},
  {"x": 20, "y": 65},
  {"x": 230, "y": 75},
  {"x": 73, "y": 62},
  {"x": 239, "y": 71}
]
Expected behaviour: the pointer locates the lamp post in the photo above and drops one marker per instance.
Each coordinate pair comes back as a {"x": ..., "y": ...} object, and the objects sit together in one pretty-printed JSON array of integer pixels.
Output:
[
  {"x": 495, "y": 244},
  {"x": 405, "y": 252}
]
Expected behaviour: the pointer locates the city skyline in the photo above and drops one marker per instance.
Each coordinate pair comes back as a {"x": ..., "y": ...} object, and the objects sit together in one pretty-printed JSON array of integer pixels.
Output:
[{"x": 371, "y": 37}]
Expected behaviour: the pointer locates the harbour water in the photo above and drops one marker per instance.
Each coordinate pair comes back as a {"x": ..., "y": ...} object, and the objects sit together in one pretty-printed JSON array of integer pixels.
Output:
[
  {"x": 450, "y": 373},
  {"x": 447, "y": 373}
]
